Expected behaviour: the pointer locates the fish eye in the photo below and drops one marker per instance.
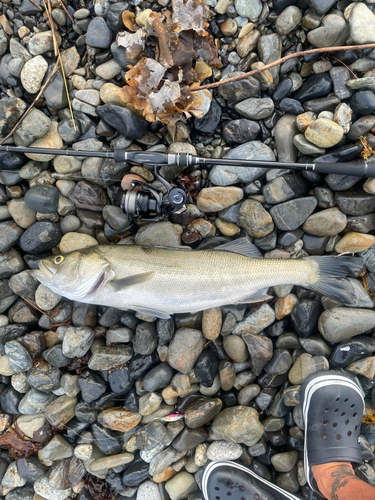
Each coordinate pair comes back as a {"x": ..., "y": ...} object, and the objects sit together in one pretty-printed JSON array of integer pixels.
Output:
[{"x": 58, "y": 259}]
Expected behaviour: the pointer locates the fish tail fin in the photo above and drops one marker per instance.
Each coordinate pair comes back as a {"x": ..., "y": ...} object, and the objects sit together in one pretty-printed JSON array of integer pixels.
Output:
[{"x": 331, "y": 273}]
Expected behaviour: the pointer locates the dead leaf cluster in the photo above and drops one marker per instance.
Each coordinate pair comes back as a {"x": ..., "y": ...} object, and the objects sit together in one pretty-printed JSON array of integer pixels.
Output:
[{"x": 160, "y": 88}]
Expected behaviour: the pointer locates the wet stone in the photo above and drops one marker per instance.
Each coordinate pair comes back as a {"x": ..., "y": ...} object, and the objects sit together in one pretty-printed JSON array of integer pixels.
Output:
[
  {"x": 255, "y": 108},
  {"x": 185, "y": 349},
  {"x": 109, "y": 357},
  {"x": 240, "y": 131},
  {"x": 10, "y": 234},
  {"x": 77, "y": 341},
  {"x": 202, "y": 411},
  {"x": 145, "y": 340},
  {"x": 19, "y": 358},
  {"x": 306, "y": 365},
  {"x": 40, "y": 237},
  {"x": 339, "y": 324},
  {"x": 234, "y": 92},
  {"x": 284, "y": 189},
  {"x": 206, "y": 367},
  {"x": 98, "y": 34},
  {"x": 158, "y": 378},
  {"x": 92, "y": 386},
  {"x": 30, "y": 469},
  {"x": 238, "y": 424}
]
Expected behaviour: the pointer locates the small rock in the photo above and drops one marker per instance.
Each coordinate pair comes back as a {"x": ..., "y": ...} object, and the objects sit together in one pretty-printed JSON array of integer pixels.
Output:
[
  {"x": 255, "y": 108},
  {"x": 342, "y": 323},
  {"x": 76, "y": 241},
  {"x": 362, "y": 24},
  {"x": 239, "y": 424},
  {"x": 32, "y": 74},
  {"x": 98, "y": 34},
  {"x": 306, "y": 365},
  {"x": 222, "y": 450},
  {"x": 46, "y": 299},
  {"x": 284, "y": 462},
  {"x": 217, "y": 198},
  {"x": 255, "y": 219},
  {"x": 161, "y": 233},
  {"x": 77, "y": 341},
  {"x": 354, "y": 242},
  {"x": 181, "y": 486},
  {"x": 324, "y": 133},
  {"x": 328, "y": 222},
  {"x": 185, "y": 348}
]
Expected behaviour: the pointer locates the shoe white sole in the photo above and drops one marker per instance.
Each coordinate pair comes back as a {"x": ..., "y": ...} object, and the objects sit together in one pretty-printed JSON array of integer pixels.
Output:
[{"x": 214, "y": 465}]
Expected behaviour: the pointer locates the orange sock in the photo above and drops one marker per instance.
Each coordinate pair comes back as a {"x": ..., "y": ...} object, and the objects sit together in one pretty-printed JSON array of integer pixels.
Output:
[{"x": 337, "y": 481}]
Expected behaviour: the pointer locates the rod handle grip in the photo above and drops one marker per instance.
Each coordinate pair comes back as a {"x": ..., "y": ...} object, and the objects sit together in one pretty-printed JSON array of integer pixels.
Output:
[{"x": 363, "y": 169}]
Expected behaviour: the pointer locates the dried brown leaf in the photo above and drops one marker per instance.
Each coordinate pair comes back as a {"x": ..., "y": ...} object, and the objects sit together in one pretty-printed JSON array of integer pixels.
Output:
[
  {"x": 191, "y": 14},
  {"x": 146, "y": 75},
  {"x": 128, "y": 20},
  {"x": 205, "y": 49},
  {"x": 134, "y": 43},
  {"x": 167, "y": 40}
]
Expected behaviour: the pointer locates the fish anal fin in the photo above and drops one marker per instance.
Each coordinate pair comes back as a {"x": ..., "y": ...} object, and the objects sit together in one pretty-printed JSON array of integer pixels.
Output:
[
  {"x": 118, "y": 285},
  {"x": 243, "y": 246},
  {"x": 258, "y": 296},
  {"x": 150, "y": 312}
]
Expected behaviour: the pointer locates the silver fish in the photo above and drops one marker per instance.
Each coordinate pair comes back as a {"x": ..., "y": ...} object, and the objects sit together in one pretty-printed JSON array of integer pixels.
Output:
[{"x": 159, "y": 282}]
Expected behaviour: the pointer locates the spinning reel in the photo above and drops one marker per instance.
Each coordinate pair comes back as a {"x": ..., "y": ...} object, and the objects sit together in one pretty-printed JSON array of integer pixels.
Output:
[{"x": 151, "y": 201}]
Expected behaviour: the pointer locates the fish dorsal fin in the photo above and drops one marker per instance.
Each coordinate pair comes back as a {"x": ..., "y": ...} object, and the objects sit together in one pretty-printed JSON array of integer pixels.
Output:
[
  {"x": 258, "y": 296},
  {"x": 118, "y": 285},
  {"x": 242, "y": 246},
  {"x": 150, "y": 312}
]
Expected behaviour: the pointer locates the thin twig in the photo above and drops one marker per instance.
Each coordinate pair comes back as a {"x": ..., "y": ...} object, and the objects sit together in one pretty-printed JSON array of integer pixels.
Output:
[
  {"x": 36, "y": 308},
  {"x": 280, "y": 61},
  {"x": 67, "y": 91},
  {"x": 66, "y": 11},
  {"x": 58, "y": 54},
  {"x": 36, "y": 5},
  {"x": 347, "y": 67},
  {"x": 52, "y": 24},
  {"x": 43, "y": 88}
]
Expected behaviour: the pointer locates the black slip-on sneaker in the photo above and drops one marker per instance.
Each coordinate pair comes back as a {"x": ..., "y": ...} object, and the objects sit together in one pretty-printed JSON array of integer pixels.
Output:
[
  {"x": 332, "y": 407},
  {"x": 232, "y": 481}
]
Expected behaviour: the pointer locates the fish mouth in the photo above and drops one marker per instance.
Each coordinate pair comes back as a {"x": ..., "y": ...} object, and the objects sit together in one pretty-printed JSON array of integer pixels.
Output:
[
  {"x": 44, "y": 273},
  {"x": 48, "y": 270}
]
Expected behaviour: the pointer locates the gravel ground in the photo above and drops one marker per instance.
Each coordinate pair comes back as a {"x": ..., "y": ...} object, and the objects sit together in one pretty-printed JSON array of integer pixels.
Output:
[{"x": 84, "y": 388}]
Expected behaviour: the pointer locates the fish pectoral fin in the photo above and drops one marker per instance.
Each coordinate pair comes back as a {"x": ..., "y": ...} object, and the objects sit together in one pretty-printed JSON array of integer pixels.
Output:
[
  {"x": 118, "y": 285},
  {"x": 258, "y": 296},
  {"x": 150, "y": 312},
  {"x": 243, "y": 246}
]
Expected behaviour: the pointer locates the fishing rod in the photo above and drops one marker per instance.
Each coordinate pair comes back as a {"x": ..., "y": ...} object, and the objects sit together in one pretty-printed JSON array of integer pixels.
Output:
[
  {"x": 187, "y": 160},
  {"x": 157, "y": 203}
]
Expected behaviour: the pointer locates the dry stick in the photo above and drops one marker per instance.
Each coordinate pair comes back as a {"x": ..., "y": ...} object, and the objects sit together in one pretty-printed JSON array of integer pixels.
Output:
[
  {"x": 58, "y": 54},
  {"x": 54, "y": 71},
  {"x": 36, "y": 5},
  {"x": 347, "y": 67},
  {"x": 66, "y": 11},
  {"x": 280, "y": 61},
  {"x": 52, "y": 23}
]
